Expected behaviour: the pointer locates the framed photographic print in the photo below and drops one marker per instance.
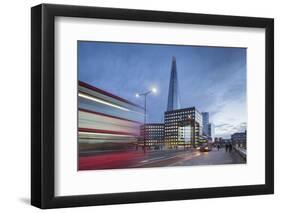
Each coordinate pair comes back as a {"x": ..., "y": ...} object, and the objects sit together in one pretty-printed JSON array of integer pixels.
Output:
[{"x": 139, "y": 106}]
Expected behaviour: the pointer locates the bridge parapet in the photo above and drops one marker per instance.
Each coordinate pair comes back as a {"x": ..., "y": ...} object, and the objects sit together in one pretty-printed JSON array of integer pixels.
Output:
[{"x": 241, "y": 151}]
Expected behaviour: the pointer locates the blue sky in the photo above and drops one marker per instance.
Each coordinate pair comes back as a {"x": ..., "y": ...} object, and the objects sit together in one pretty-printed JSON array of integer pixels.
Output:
[{"x": 212, "y": 79}]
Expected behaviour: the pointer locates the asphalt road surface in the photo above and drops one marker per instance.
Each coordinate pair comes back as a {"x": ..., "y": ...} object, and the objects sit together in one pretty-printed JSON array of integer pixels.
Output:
[{"x": 163, "y": 158}]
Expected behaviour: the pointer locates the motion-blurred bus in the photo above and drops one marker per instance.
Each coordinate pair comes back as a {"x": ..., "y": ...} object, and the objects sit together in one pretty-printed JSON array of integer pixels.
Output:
[{"x": 106, "y": 122}]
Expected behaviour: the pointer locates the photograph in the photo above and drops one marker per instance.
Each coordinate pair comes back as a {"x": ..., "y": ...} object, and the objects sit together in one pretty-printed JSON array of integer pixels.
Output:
[
  {"x": 160, "y": 105},
  {"x": 125, "y": 101}
]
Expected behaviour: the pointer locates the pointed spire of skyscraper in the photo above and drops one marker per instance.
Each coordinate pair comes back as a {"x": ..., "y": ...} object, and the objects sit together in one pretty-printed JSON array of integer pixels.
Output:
[{"x": 173, "y": 96}]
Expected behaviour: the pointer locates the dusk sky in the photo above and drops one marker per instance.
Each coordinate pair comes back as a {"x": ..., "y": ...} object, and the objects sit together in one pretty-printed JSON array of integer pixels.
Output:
[{"x": 212, "y": 79}]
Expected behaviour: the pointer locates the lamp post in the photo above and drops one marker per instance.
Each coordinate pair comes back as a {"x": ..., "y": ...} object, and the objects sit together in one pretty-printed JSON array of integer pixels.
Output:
[{"x": 145, "y": 94}]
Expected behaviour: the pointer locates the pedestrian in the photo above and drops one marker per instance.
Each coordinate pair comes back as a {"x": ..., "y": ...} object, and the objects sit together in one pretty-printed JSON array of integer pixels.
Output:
[
  {"x": 218, "y": 147},
  {"x": 230, "y": 147},
  {"x": 226, "y": 147}
]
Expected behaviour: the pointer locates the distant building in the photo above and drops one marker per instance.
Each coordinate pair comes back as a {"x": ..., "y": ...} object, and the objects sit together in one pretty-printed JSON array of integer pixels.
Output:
[
  {"x": 211, "y": 130},
  {"x": 216, "y": 140},
  {"x": 205, "y": 117},
  {"x": 153, "y": 135},
  {"x": 239, "y": 139},
  {"x": 221, "y": 140},
  {"x": 182, "y": 127},
  {"x": 173, "y": 96},
  {"x": 226, "y": 141}
]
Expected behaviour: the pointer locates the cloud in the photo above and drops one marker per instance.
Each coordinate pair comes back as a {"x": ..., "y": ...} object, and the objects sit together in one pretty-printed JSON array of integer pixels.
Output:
[{"x": 225, "y": 130}]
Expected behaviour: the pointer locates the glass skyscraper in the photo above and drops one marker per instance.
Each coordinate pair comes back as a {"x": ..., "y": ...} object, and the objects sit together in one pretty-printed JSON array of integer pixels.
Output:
[
  {"x": 205, "y": 116},
  {"x": 173, "y": 96}
]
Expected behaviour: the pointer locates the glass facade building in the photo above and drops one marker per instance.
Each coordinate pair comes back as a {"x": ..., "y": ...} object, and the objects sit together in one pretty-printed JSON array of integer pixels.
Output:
[
  {"x": 153, "y": 135},
  {"x": 182, "y": 128},
  {"x": 205, "y": 117},
  {"x": 173, "y": 96},
  {"x": 211, "y": 130}
]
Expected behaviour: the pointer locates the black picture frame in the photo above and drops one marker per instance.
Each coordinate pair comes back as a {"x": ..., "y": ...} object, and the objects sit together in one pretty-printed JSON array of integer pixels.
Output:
[{"x": 43, "y": 102}]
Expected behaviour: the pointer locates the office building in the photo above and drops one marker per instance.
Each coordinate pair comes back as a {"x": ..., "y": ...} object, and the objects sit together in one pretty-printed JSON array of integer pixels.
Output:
[
  {"x": 205, "y": 117},
  {"x": 211, "y": 130},
  {"x": 182, "y": 128},
  {"x": 152, "y": 135}
]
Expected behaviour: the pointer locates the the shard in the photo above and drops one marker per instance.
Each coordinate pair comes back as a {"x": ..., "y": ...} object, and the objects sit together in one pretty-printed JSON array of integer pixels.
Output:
[{"x": 173, "y": 96}]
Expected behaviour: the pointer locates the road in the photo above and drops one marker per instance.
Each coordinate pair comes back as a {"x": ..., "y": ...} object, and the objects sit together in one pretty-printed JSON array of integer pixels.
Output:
[{"x": 163, "y": 158}]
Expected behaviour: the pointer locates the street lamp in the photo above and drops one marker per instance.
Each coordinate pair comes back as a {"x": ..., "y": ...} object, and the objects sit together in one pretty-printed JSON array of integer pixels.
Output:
[{"x": 145, "y": 94}]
